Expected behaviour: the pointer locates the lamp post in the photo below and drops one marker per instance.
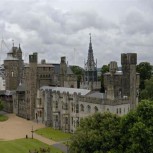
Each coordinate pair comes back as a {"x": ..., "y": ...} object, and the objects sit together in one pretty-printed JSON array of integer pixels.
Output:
[{"x": 32, "y": 132}]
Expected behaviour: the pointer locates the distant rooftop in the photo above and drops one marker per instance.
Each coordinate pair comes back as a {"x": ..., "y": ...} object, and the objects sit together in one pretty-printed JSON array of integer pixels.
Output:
[
  {"x": 63, "y": 89},
  {"x": 96, "y": 95}
]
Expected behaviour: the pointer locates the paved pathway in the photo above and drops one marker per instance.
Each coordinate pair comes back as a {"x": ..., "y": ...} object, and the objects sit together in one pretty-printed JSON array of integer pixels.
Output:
[{"x": 16, "y": 128}]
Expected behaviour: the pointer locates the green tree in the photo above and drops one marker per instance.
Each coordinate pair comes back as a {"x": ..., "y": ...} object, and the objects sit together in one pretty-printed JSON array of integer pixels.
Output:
[
  {"x": 147, "y": 92},
  {"x": 145, "y": 70},
  {"x": 108, "y": 133},
  {"x": 137, "y": 129},
  {"x": 104, "y": 69},
  {"x": 99, "y": 133},
  {"x": 79, "y": 72}
]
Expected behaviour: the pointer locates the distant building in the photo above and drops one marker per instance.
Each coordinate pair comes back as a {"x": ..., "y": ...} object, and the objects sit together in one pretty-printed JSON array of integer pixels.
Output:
[
  {"x": 13, "y": 65},
  {"x": 62, "y": 108},
  {"x": 123, "y": 84},
  {"x": 48, "y": 92}
]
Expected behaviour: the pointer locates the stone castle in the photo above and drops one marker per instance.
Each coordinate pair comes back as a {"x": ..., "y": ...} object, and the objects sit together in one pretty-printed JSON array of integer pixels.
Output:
[{"x": 48, "y": 93}]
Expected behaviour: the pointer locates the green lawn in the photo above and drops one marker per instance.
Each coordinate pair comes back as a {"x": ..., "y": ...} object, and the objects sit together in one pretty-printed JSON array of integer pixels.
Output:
[
  {"x": 23, "y": 146},
  {"x": 3, "y": 118},
  {"x": 55, "y": 135}
]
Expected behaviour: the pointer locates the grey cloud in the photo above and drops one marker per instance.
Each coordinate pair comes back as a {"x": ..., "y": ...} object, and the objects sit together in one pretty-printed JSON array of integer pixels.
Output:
[
  {"x": 55, "y": 31},
  {"x": 138, "y": 22}
]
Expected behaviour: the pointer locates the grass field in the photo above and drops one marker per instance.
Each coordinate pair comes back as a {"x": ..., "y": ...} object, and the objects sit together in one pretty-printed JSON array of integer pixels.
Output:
[
  {"x": 3, "y": 118},
  {"x": 23, "y": 146},
  {"x": 55, "y": 135}
]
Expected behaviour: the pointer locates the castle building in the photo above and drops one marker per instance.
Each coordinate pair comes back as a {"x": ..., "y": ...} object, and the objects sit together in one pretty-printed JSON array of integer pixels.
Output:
[
  {"x": 123, "y": 84},
  {"x": 13, "y": 65},
  {"x": 62, "y": 108},
  {"x": 67, "y": 77},
  {"x": 32, "y": 92}
]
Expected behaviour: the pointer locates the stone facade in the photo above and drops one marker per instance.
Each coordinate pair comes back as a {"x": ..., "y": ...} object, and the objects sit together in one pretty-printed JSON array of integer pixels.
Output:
[
  {"x": 63, "y": 107},
  {"x": 68, "y": 106},
  {"x": 67, "y": 78},
  {"x": 13, "y": 65},
  {"x": 123, "y": 84}
]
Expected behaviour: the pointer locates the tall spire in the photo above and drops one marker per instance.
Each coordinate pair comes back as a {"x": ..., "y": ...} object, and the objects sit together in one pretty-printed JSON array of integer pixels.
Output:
[
  {"x": 90, "y": 44},
  {"x": 90, "y": 60}
]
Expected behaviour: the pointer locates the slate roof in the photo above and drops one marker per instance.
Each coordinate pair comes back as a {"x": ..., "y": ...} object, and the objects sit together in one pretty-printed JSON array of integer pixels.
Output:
[
  {"x": 63, "y": 89},
  {"x": 21, "y": 87},
  {"x": 69, "y": 71},
  {"x": 96, "y": 95}
]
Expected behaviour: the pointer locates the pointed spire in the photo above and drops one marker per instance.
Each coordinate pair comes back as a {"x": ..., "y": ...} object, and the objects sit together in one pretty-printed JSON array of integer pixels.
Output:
[{"x": 90, "y": 44}]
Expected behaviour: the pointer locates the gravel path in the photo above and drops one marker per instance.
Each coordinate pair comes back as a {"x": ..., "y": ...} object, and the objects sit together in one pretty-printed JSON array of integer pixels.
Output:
[{"x": 16, "y": 128}]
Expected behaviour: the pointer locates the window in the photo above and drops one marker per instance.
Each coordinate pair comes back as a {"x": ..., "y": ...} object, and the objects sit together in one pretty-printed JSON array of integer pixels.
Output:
[
  {"x": 82, "y": 108},
  {"x": 66, "y": 106},
  {"x": 120, "y": 111},
  {"x": 96, "y": 109},
  {"x": 117, "y": 110},
  {"x": 77, "y": 108},
  {"x": 72, "y": 107},
  {"x": 66, "y": 120},
  {"x": 56, "y": 105},
  {"x": 88, "y": 109},
  {"x": 77, "y": 122},
  {"x": 56, "y": 118}
]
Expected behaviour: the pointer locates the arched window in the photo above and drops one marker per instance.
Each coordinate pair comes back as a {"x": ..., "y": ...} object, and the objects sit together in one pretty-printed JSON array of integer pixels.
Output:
[
  {"x": 82, "y": 108},
  {"x": 117, "y": 110},
  {"x": 120, "y": 110},
  {"x": 72, "y": 107},
  {"x": 77, "y": 108},
  {"x": 96, "y": 109},
  {"x": 66, "y": 120},
  {"x": 88, "y": 109}
]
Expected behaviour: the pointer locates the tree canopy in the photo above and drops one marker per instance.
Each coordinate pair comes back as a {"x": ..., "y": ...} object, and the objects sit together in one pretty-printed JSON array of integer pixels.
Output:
[
  {"x": 145, "y": 70},
  {"x": 79, "y": 72},
  {"x": 147, "y": 92},
  {"x": 108, "y": 133},
  {"x": 104, "y": 69},
  {"x": 96, "y": 134}
]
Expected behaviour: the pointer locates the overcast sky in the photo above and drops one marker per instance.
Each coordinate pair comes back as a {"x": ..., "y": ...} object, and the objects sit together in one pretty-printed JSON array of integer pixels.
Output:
[{"x": 56, "y": 28}]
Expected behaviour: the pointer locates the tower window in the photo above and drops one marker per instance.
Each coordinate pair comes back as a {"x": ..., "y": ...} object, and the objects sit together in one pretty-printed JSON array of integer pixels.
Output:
[
  {"x": 96, "y": 109},
  {"x": 88, "y": 109}
]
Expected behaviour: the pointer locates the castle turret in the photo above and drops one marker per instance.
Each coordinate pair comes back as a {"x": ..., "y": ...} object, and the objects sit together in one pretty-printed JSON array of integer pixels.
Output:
[
  {"x": 31, "y": 81},
  {"x": 63, "y": 69},
  {"x": 11, "y": 65},
  {"x": 129, "y": 86}
]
